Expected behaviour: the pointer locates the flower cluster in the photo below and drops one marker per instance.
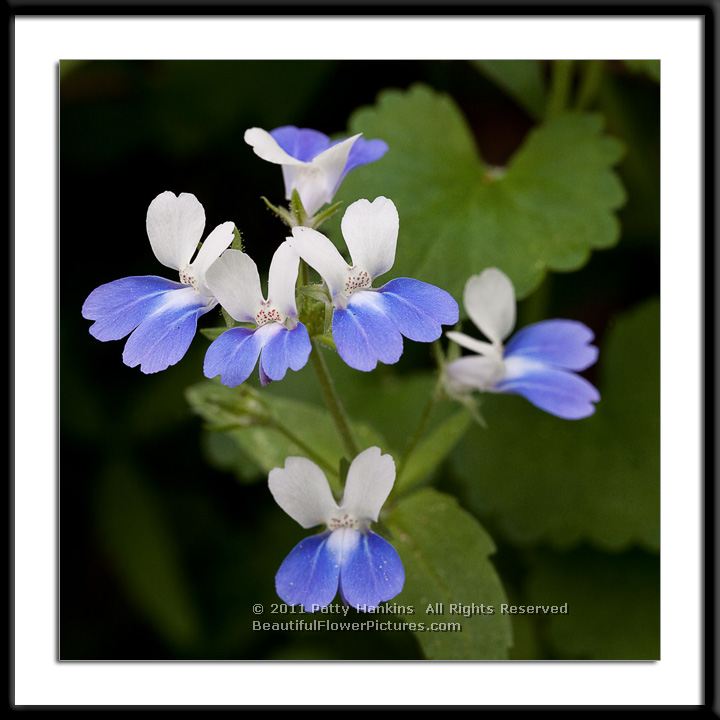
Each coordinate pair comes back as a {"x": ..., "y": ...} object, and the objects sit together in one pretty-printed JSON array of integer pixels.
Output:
[{"x": 368, "y": 325}]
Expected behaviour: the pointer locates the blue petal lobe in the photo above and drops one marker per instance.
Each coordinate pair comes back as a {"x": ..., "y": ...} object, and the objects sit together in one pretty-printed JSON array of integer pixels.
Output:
[
  {"x": 309, "y": 574},
  {"x": 301, "y": 143},
  {"x": 233, "y": 355},
  {"x": 371, "y": 573},
  {"x": 118, "y": 307},
  {"x": 287, "y": 349},
  {"x": 363, "y": 152},
  {"x": 558, "y": 392},
  {"x": 563, "y": 343},
  {"x": 364, "y": 334},
  {"x": 418, "y": 309},
  {"x": 162, "y": 338}
]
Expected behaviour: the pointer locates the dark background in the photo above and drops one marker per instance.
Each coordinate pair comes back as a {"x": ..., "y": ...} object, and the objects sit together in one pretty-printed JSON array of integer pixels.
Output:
[{"x": 160, "y": 554}]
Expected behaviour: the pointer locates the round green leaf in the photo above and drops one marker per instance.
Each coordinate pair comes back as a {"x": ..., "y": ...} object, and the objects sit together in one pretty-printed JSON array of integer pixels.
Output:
[{"x": 547, "y": 210}]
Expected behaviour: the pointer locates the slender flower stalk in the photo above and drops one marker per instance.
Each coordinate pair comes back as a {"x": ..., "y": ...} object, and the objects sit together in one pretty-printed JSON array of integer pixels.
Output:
[
  {"x": 420, "y": 429},
  {"x": 333, "y": 402}
]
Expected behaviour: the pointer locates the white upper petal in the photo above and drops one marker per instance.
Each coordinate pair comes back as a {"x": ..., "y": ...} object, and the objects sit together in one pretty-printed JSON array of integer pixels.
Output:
[
  {"x": 282, "y": 278},
  {"x": 319, "y": 253},
  {"x": 369, "y": 481},
  {"x": 175, "y": 225},
  {"x": 370, "y": 230},
  {"x": 234, "y": 280},
  {"x": 474, "y": 371},
  {"x": 318, "y": 180},
  {"x": 267, "y": 148},
  {"x": 302, "y": 491},
  {"x": 490, "y": 302},
  {"x": 215, "y": 244},
  {"x": 478, "y": 346}
]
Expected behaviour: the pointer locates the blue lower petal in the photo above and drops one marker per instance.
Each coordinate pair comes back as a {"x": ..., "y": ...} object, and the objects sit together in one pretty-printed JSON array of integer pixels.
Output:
[
  {"x": 558, "y": 392},
  {"x": 286, "y": 350},
  {"x": 418, "y": 309},
  {"x": 371, "y": 573},
  {"x": 364, "y": 335},
  {"x": 118, "y": 307},
  {"x": 162, "y": 338},
  {"x": 233, "y": 355},
  {"x": 563, "y": 343},
  {"x": 309, "y": 574}
]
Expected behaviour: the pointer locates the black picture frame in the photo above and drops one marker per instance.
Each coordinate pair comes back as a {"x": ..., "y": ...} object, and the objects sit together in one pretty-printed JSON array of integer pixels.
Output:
[{"x": 706, "y": 10}]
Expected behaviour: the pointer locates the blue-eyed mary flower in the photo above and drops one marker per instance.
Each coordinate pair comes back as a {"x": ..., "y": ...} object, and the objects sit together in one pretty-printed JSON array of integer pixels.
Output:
[
  {"x": 277, "y": 338},
  {"x": 159, "y": 314},
  {"x": 538, "y": 362},
  {"x": 347, "y": 556},
  {"x": 312, "y": 163},
  {"x": 369, "y": 323}
]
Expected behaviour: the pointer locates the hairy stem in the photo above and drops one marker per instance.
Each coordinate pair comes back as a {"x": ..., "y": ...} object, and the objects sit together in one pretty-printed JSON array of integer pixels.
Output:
[
  {"x": 302, "y": 445},
  {"x": 332, "y": 401}
]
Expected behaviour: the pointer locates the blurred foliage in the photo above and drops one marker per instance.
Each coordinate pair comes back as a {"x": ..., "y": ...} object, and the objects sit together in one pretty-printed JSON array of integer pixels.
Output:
[
  {"x": 168, "y": 533},
  {"x": 133, "y": 530},
  {"x": 247, "y": 432},
  {"x": 264, "y": 430},
  {"x": 613, "y": 604},
  {"x": 651, "y": 68},
  {"x": 521, "y": 79}
]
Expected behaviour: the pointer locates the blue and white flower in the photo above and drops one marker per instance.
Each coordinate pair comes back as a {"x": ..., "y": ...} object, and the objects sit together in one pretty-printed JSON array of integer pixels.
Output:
[
  {"x": 368, "y": 324},
  {"x": 312, "y": 163},
  {"x": 159, "y": 314},
  {"x": 277, "y": 338},
  {"x": 347, "y": 556},
  {"x": 539, "y": 362}
]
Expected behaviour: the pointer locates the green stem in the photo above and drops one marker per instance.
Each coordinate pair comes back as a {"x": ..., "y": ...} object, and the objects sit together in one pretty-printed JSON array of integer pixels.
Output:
[
  {"x": 332, "y": 401},
  {"x": 438, "y": 355},
  {"x": 302, "y": 445},
  {"x": 560, "y": 83},
  {"x": 591, "y": 78},
  {"x": 420, "y": 429}
]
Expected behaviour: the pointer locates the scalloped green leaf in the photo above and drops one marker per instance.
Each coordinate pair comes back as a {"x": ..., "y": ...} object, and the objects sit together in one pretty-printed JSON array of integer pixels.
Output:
[
  {"x": 547, "y": 210},
  {"x": 445, "y": 552},
  {"x": 536, "y": 478}
]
